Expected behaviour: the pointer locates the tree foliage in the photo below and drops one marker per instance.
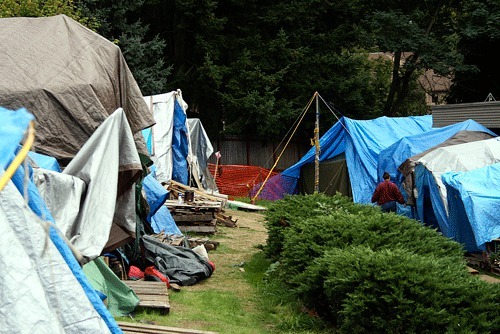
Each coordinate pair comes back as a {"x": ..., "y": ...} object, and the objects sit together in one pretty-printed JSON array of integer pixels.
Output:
[
  {"x": 120, "y": 22},
  {"x": 37, "y": 8},
  {"x": 250, "y": 67}
]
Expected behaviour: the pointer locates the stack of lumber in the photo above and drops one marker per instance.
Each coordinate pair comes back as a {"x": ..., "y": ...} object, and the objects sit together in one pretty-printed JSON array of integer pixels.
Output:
[{"x": 196, "y": 215}]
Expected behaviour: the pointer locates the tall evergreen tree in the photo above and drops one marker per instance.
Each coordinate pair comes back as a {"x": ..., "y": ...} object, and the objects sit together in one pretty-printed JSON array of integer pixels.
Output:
[{"x": 120, "y": 22}]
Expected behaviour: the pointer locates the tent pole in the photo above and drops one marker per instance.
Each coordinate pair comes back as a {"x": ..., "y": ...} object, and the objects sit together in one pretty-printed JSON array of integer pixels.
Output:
[
  {"x": 316, "y": 143},
  {"x": 282, "y": 151}
]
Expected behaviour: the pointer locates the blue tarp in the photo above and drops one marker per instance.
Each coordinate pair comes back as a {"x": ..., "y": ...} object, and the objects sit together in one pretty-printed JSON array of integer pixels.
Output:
[
  {"x": 45, "y": 161},
  {"x": 180, "y": 146},
  {"x": 477, "y": 194},
  {"x": 362, "y": 142},
  {"x": 159, "y": 215},
  {"x": 14, "y": 123},
  {"x": 394, "y": 155},
  {"x": 10, "y": 136}
]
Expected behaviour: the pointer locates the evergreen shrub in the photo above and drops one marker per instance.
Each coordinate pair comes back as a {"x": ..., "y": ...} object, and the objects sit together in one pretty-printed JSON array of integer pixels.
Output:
[
  {"x": 373, "y": 272},
  {"x": 398, "y": 291}
]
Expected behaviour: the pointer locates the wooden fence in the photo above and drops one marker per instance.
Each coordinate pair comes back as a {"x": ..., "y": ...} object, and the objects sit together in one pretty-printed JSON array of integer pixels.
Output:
[{"x": 238, "y": 151}]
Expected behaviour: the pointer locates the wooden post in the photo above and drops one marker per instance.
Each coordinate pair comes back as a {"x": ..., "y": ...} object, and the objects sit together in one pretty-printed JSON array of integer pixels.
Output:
[{"x": 316, "y": 143}]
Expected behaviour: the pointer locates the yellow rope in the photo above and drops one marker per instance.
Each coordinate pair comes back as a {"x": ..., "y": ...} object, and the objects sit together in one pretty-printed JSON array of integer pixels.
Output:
[
  {"x": 19, "y": 158},
  {"x": 282, "y": 151}
]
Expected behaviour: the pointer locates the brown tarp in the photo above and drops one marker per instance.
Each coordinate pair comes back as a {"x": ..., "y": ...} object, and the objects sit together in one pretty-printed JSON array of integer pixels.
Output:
[{"x": 70, "y": 78}]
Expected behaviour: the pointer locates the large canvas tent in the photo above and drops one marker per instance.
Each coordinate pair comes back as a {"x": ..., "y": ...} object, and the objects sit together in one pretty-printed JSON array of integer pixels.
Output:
[
  {"x": 70, "y": 78},
  {"x": 406, "y": 170},
  {"x": 393, "y": 156},
  {"x": 361, "y": 141}
]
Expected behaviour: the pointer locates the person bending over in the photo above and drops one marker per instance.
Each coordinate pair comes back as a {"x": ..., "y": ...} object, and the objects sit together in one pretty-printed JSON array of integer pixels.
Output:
[{"x": 387, "y": 194}]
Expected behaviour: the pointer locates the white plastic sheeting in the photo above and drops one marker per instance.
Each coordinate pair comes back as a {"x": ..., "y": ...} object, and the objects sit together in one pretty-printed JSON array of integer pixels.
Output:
[
  {"x": 39, "y": 293},
  {"x": 93, "y": 200},
  {"x": 162, "y": 107},
  {"x": 460, "y": 158}
]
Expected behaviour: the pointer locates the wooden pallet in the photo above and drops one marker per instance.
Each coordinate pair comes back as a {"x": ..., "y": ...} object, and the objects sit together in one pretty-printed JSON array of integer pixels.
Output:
[
  {"x": 151, "y": 294},
  {"x": 133, "y": 327}
]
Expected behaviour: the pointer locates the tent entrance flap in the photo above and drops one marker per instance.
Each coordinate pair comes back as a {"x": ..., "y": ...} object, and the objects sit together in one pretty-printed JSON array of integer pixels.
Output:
[{"x": 334, "y": 177}]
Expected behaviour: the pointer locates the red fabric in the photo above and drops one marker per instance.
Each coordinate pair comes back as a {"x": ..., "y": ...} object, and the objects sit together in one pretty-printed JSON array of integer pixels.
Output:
[
  {"x": 135, "y": 273},
  {"x": 387, "y": 192},
  {"x": 157, "y": 275},
  {"x": 212, "y": 265}
]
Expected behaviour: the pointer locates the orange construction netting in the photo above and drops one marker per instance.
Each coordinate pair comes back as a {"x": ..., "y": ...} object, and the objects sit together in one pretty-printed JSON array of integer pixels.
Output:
[{"x": 238, "y": 180}]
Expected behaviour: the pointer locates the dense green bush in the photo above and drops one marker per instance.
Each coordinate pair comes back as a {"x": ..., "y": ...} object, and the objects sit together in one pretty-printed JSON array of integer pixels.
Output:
[
  {"x": 310, "y": 238},
  {"x": 398, "y": 291},
  {"x": 372, "y": 272},
  {"x": 285, "y": 213}
]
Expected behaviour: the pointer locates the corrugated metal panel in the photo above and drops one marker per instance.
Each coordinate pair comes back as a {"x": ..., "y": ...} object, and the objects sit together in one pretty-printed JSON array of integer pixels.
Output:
[{"x": 485, "y": 113}]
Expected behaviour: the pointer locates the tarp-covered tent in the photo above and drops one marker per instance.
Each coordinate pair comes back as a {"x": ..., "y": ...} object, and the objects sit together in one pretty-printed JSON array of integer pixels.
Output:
[
  {"x": 70, "y": 78},
  {"x": 474, "y": 206},
  {"x": 202, "y": 149},
  {"x": 168, "y": 140},
  {"x": 432, "y": 196},
  {"x": 393, "y": 156},
  {"x": 407, "y": 168},
  {"x": 93, "y": 199},
  {"x": 178, "y": 146},
  {"x": 361, "y": 142},
  {"x": 42, "y": 285}
]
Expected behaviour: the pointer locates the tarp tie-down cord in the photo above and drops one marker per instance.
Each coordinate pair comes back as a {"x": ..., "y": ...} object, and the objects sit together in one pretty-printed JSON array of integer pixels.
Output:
[
  {"x": 19, "y": 158},
  {"x": 297, "y": 123}
]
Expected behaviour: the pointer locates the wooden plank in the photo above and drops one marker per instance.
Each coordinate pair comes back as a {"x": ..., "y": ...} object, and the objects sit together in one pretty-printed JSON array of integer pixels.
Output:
[
  {"x": 151, "y": 294},
  {"x": 193, "y": 217},
  {"x": 131, "y": 327},
  {"x": 199, "y": 229},
  {"x": 472, "y": 270}
]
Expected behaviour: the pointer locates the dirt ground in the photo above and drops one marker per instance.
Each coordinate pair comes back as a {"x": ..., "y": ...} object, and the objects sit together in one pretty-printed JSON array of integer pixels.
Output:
[{"x": 237, "y": 246}]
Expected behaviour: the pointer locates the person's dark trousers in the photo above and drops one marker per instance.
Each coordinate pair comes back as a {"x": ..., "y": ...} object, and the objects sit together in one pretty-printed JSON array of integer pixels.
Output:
[{"x": 389, "y": 206}]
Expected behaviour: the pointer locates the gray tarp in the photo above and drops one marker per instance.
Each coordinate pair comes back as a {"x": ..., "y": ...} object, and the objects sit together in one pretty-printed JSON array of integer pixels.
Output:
[
  {"x": 38, "y": 291},
  {"x": 93, "y": 199},
  {"x": 70, "y": 78},
  {"x": 180, "y": 264},
  {"x": 202, "y": 149}
]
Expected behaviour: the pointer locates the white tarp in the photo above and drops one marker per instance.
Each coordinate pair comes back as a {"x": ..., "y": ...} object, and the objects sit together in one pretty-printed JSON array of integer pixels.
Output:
[
  {"x": 162, "y": 107},
  {"x": 460, "y": 158},
  {"x": 38, "y": 291},
  {"x": 93, "y": 199}
]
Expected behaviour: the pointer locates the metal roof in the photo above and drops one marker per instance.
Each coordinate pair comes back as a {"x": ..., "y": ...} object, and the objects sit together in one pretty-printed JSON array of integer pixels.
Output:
[{"x": 485, "y": 113}]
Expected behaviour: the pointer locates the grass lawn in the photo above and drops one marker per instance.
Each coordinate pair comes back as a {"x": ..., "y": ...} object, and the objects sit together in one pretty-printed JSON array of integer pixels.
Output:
[{"x": 234, "y": 299}]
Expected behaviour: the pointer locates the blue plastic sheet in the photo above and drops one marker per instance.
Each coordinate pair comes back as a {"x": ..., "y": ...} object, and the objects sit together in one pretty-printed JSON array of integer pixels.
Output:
[
  {"x": 180, "y": 145},
  {"x": 362, "y": 142},
  {"x": 45, "y": 161},
  {"x": 156, "y": 194},
  {"x": 14, "y": 123},
  {"x": 478, "y": 193},
  {"x": 393, "y": 156}
]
